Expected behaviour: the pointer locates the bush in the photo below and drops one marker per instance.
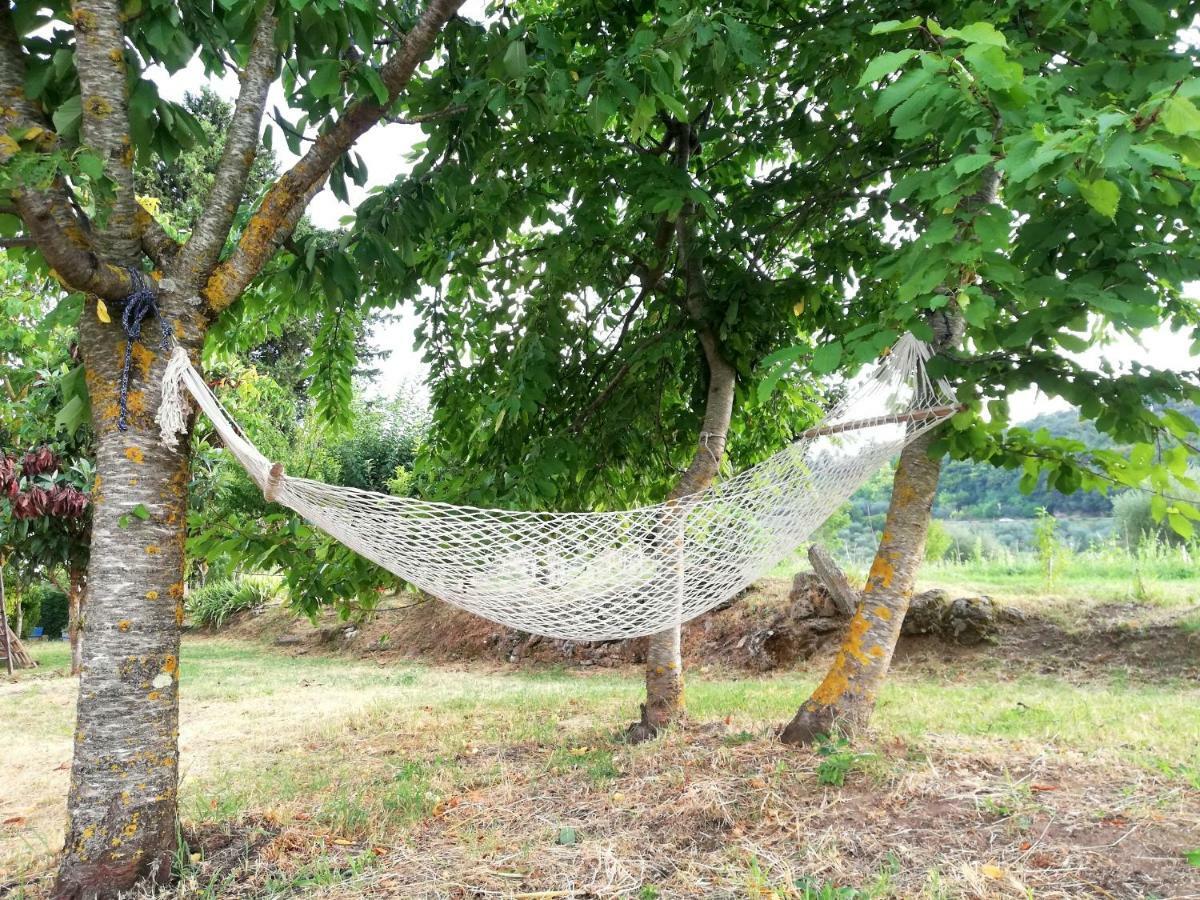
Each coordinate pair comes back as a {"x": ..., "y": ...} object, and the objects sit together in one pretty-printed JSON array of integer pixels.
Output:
[
  {"x": 42, "y": 605},
  {"x": 937, "y": 541},
  {"x": 55, "y": 612},
  {"x": 213, "y": 604}
]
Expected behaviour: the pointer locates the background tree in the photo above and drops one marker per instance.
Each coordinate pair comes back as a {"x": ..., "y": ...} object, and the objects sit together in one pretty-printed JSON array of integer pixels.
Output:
[
  {"x": 609, "y": 251},
  {"x": 80, "y": 109},
  {"x": 45, "y": 518},
  {"x": 1054, "y": 203}
]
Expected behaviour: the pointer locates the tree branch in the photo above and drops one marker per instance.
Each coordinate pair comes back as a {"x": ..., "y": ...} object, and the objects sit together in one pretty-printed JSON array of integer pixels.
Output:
[
  {"x": 8, "y": 242},
  {"x": 285, "y": 201},
  {"x": 202, "y": 250},
  {"x": 436, "y": 115},
  {"x": 104, "y": 129},
  {"x": 49, "y": 215},
  {"x": 156, "y": 243}
]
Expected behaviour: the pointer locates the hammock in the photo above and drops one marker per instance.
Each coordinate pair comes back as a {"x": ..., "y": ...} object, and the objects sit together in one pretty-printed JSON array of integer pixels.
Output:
[{"x": 606, "y": 575}]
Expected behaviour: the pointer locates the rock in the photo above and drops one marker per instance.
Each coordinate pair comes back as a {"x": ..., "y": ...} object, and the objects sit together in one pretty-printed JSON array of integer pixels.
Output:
[
  {"x": 970, "y": 620},
  {"x": 926, "y": 613},
  {"x": 810, "y": 598}
]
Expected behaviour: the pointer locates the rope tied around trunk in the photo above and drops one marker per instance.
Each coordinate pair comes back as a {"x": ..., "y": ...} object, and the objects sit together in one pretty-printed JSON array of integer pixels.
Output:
[{"x": 139, "y": 304}]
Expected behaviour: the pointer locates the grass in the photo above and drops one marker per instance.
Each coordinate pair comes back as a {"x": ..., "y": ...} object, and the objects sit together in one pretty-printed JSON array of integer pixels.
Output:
[{"x": 360, "y": 758}]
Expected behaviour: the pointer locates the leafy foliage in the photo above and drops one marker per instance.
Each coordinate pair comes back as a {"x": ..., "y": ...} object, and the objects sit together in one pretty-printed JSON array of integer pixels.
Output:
[{"x": 213, "y": 604}]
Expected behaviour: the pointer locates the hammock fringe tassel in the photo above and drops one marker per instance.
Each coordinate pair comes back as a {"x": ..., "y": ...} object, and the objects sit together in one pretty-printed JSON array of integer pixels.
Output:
[{"x": 613, "y": 574}]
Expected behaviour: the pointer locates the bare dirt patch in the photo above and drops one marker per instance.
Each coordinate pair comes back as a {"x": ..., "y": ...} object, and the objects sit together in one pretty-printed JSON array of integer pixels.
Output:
[{"x": 1132, "y": 640}]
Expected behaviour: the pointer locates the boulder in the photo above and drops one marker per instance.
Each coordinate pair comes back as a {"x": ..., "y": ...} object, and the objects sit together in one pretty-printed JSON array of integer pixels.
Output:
[
  {"x": 926, "y": 613},
  {"x": 970, "y": 620}
]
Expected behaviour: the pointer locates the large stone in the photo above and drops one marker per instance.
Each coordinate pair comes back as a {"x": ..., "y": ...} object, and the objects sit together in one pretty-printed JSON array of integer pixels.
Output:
[
  {"x": 970, "y": 620},
  {"x": 926, "y": 613},
  {"x": 810, "y": 598}
]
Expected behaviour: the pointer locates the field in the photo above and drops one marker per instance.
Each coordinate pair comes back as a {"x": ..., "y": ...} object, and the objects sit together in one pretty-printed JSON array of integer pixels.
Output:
[{"x": 1025, "y": 769}]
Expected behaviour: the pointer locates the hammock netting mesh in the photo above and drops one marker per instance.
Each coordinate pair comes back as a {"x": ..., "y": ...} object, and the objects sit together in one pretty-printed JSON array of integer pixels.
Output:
[{"x": 607, "y": 575}]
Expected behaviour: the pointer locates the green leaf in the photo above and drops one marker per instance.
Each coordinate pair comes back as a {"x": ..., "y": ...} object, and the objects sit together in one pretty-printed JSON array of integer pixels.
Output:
[
  {"x": 994, "y": 69},
  {"x": 516, "y": 63},
  {"x": 892, "y": 25},
  {"x": 567, "y": 836},
  {"x": 376, "y": 84},
  {"x": 885, "y": 65},
  {"x": 979, "y": 33},
  {"x": 141, "y": 512},
  {"x": 826, "y": 358},
  {"x": 1181, "y": 526},
  {"x": 1193, "y": 857},
  {"x": 66, "y": 117},
  {"x": 327, "y": 79},
  {"x": 1180, "y": 116},
  {"x": 90, "y": 165},
  {"x": 972, "y": 162},
  {"x": 72, "y": 416},
  {"x": 1102, "y": 195}
]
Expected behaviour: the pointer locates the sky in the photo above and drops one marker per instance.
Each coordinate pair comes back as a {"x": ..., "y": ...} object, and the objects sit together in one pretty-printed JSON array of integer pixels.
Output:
[{"x": 386, "y": 149}]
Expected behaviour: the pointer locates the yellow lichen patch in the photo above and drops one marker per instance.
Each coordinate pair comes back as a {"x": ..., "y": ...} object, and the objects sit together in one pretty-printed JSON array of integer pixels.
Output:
[
  {"x": 835, "y": 685},
  {"x": 98, "y": 107},
  {"x": 153, "y": 550},
  {"x": 135, "y": 455},
  {"x": 178, "y": 613},
  {"x": 135, "y": 402},
  {"x": 882, "y": 573},
  {"x": 180, "y": 331},
  {"x": 151, "y": 595},
  {"x": 153, "y": 695},
  {"x": 882, "y": 612},
  {"x": 143, "y": 356},
  {"x": 170, "y": 665},
  {"x": 175, "y": 591},
  {"x": 123, "y": 625},
  {"x": 852, "y": 645},
  {"x": 876, "y": 651}
]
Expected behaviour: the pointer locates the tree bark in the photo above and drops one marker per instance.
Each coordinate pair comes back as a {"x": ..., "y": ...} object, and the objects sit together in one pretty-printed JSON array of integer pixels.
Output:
[
  {"x": 124, "y": 776},
  {"x": 664, "y": 659},
  {"x": 8, "y": 650},
  {"x": 844, "y": 701},
  {"x": 75, "y": 600}
]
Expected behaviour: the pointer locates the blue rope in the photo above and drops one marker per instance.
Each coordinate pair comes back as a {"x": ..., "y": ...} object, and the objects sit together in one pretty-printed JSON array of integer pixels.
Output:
[{"x": 140, "y": 303}]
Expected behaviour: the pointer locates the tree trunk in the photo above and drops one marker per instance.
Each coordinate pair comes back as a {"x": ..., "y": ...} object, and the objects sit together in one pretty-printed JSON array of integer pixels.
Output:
[
  {"x": 8, "y": 648},
  {"x": 664, "y": 660},
  {"x": 844, "y": 701},
  {"x": 124, "y": 777},
  {"x": 75, "y": 599}
]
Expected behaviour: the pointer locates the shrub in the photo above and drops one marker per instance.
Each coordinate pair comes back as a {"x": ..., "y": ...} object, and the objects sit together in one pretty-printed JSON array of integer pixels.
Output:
[
  {"x": 55, "y": 612},
  {"x": 213, "y": 604},
  {"x": 937, "y": 541},
  {"x": 41, "y": 605}
]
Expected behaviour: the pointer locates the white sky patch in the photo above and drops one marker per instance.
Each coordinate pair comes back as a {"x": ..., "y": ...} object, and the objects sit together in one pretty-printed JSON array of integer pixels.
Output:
[{"x": 386, "y": 149}]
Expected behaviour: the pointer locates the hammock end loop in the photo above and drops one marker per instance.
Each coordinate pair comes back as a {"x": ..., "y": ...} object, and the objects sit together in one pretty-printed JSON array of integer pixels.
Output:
[
  {"x": 274, "y": 480},
  {"x": 174, "y": 407}
]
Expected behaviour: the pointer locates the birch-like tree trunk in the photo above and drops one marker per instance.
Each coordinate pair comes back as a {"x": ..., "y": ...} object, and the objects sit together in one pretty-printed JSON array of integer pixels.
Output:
[
  {"x": 124, "y": 775},
  {"x": 75, "y": 602},
  {"x": 664, "y": 658},
  {"x": 845, "y": 699}
]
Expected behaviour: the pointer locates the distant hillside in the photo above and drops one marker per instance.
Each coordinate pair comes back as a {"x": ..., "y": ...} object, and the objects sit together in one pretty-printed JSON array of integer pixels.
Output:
[{"x": 970, "y": 490}]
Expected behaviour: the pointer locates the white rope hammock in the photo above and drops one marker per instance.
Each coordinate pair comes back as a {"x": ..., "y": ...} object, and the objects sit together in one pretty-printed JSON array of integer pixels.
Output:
[{"x": 606, "y": 575}]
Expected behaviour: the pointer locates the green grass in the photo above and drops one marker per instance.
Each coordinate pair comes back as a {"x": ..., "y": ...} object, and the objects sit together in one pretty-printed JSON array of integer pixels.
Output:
[{"x": 350, "y": 750}]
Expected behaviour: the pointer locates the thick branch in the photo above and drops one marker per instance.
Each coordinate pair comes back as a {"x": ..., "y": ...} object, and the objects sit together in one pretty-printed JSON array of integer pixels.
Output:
[
  {"x": 284, "y": 203},
  {"x": 49, "y": 215},
  {"x": 100, "y": 61},
  {"x": 203, "y": 248},
  {"x": 156, "y": 243},
  {"x": 845, "y": 598}
]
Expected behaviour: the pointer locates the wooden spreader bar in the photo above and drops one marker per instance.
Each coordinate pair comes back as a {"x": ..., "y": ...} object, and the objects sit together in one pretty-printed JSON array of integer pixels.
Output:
[{"x": 916, "y": 415}]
